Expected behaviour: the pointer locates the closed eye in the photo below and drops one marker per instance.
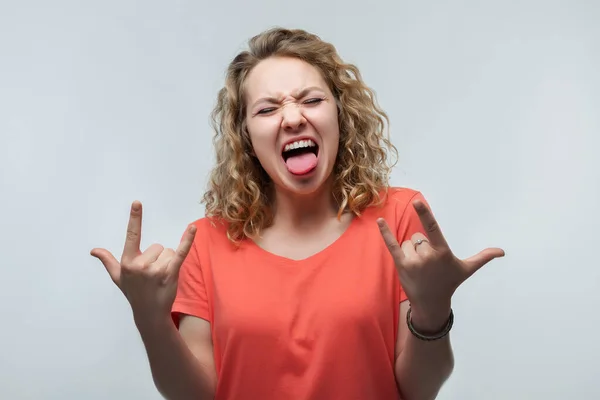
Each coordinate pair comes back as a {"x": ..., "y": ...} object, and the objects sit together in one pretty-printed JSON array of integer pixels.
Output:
[
  {"x": 308, "y": 102},
  {"x": 313, "y": 101},
  {"x": 266, "y": 110}
]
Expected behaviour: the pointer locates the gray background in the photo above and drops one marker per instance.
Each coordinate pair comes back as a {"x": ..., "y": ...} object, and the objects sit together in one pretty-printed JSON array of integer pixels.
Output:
[{"x": 494, "y": 108}]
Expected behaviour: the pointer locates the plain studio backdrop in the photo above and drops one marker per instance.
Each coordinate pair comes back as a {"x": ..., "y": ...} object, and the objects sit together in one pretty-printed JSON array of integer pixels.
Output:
[{"x": 494, "y": 107}]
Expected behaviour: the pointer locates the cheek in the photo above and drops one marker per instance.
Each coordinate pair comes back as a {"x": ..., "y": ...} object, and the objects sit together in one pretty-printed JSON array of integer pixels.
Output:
[
  {"x": 329, "y": 129},
  {"x": 333, "y": 136},
  {"x": 264, "y": 128},
  {"x": 263, "y": 136},
  {"x": 324, "y": 120}
]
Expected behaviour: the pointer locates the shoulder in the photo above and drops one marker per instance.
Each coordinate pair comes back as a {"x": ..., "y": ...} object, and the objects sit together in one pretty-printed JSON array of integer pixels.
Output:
[
  {"x": 210, "y": 234},
  {"x": 397, "y": 201},
  {"x": 210, "y": 240},
  {"x": 207, "y": 225},
  {"x": 401, "y": 196},
  {"x": 396, "y": 208}
]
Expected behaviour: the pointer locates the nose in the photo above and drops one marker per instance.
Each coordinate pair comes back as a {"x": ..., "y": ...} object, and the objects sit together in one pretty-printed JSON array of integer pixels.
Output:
[{"x": 292, "y": 118}]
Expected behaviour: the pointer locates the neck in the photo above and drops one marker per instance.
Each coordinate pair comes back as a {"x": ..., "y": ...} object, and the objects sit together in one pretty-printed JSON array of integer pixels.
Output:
[{"x": 307, "y": 212}]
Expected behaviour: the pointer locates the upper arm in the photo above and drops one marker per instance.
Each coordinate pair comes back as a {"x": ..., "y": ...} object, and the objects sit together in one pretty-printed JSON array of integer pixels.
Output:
[{"x": 196, "y": 333}]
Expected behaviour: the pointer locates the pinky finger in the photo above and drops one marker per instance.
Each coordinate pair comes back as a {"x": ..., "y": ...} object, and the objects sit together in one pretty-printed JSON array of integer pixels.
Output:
[{"x": 184, "y": 248}]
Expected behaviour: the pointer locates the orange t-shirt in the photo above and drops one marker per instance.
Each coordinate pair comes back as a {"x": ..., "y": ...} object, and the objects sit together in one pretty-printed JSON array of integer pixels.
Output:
[{"x": 322, "y": 328}]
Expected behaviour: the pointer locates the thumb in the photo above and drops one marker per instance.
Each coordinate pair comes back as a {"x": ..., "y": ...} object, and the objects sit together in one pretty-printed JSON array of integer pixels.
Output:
[
  {"x": 113, "y": 267},
  {"x": 477, "y": 261}
]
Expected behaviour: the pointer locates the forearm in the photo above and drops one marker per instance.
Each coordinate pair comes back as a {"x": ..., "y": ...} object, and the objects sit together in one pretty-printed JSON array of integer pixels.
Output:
[
  {"x": 423, "y": 366},
  {"x": 177, "y": 373}
]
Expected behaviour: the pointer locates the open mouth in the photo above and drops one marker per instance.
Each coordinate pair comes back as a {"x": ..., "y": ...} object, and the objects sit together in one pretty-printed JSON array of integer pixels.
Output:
[
  {"x": 298, "y": 148},
  {"x": 300, "y": 157}
]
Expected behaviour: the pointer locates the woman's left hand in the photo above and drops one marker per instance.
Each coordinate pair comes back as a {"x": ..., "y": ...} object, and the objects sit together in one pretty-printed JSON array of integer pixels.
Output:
[{"x": 428, "y": 270}]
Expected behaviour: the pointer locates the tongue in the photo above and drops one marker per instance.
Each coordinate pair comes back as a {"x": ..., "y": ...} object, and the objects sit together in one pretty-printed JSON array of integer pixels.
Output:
[{"x": 302, "y": 163}]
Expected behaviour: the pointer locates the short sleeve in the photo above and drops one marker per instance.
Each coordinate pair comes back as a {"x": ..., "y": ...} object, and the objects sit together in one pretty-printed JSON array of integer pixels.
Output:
[
  {"x": 409, "y": 224},
  {"x": 191, "y": 298}
]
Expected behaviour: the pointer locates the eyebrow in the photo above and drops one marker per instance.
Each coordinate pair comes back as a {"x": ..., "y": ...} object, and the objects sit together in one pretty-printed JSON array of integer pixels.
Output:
[{"x": 297, "y": 95}]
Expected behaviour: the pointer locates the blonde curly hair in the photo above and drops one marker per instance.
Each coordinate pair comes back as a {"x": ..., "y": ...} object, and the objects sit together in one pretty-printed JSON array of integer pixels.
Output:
[{"x": 240, "y": 192}]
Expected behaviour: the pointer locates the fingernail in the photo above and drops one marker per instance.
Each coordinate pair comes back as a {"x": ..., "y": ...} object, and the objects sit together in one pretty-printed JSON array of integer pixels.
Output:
[
  {"x": 135, "y": 206},
  {"x": 192, "y": 229}
]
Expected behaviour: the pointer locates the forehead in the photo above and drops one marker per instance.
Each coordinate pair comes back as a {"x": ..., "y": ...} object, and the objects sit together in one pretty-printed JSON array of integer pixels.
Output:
[{"x": 279, "y": 76}]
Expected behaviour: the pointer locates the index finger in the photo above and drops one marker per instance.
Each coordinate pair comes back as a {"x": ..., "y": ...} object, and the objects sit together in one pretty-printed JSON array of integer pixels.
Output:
[
  {"x": 134, "y": 231},
  {"x": 431, "y": 226},
  {"x": 183, "y": 249}
]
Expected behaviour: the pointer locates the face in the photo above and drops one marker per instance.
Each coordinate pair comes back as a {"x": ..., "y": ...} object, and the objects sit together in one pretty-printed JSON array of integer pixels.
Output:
[{"x": 292, "y": 120}]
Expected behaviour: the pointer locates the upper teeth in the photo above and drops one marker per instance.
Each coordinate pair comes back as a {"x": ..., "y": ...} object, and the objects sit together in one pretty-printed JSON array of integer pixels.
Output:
[{"x": 298, "y": 144}]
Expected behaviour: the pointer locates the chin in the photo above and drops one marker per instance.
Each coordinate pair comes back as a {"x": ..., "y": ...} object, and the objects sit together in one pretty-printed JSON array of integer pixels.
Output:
[{"x": 307, "y": 184}]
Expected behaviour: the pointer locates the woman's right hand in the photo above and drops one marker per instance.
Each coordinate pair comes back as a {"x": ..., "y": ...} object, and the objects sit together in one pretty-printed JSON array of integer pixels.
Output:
[{"x": 149, "y": 279}]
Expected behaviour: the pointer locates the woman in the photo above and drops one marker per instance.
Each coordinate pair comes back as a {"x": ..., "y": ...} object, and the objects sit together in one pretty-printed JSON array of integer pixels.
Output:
[{"x": 295, "y": 284}]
